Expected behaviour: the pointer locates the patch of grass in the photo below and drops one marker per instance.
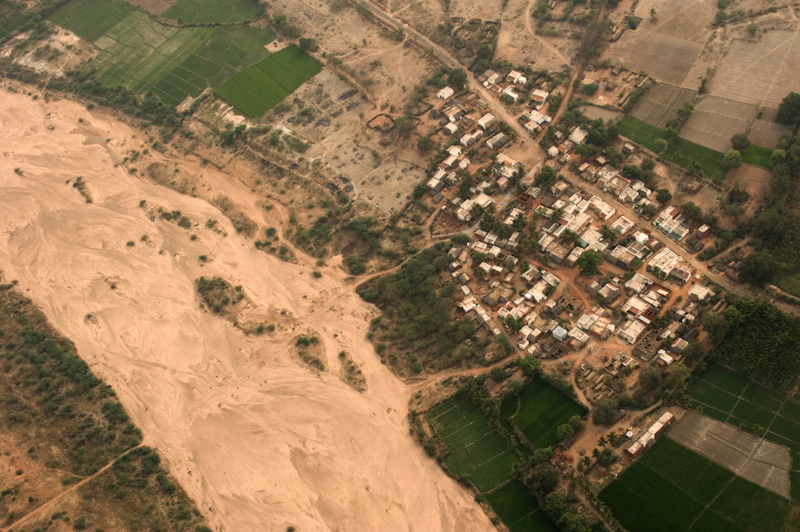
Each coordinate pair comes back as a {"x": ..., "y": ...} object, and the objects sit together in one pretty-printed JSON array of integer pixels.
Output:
[
  {"x": 685, "y": 153},
  {"x": 758, "y": 156},
  {"x": 512, "y": 502}
]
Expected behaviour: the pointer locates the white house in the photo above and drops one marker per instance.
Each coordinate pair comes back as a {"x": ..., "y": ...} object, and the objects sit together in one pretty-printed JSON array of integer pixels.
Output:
[{"x": 445, "y": 93}]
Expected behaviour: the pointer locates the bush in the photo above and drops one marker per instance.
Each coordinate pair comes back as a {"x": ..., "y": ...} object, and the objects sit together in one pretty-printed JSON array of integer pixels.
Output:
[{"x": 356, "y": 264}]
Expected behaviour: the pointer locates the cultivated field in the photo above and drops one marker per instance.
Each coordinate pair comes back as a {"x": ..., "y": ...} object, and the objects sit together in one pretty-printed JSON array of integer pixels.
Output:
[
  {"x": 723, "y": 394},
  {"x": 672, "y": 489},
  {"x": 762, "y": 71},
  {"x": 538, "y": 410},
  {"x": 476, "y": 452},
  {"x": 715, "y": 120},
  {"x": 141, "y": 54},
  {"x": 91, "y": 19},
  {"x": 659, "y": 104},
  {"x": 11, "y": 18},
  {"x": 260, "y": 87},
  {"x": 514, "y": 504},
  {"x": 765, "y": 132},
  {"x": 215, "y": 11},
  {"x": 749, "y": 456}
]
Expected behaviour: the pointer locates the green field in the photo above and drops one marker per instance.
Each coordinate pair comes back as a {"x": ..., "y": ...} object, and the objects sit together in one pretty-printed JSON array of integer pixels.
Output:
[
  {"x": 514, "y": 504},
  {"x": 681, "y": 151},
  {"x": 672, "y": 489},
  {"x": 91, "y": 19},
  {"x": 142, "y": 55},
  {"x": 641, "y": 132},
  {"x": 260, "y": 87},
  {"x": 725, "y": 395},
  {"x": 11, "y": 18},
  {"x": 476, "y": 452},
  {"x": 219, "y": 11},
  {"x": 538, "y": 410},
  {"x": 758, "y": 156}
]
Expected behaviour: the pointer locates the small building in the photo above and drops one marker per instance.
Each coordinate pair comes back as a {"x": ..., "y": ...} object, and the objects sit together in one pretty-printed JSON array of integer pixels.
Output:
[
  {"x": 647, "y": 438},
  {"x": 552, "y": 152},
  {"x": 486, "y": 121},
  {"x": 578, "y": 136},
  {"x": 539, "y": 97},
  {"x": 497, "y": 141},
  {"x": 445, "y": 93},
  {"x": 450, "y": 129}
]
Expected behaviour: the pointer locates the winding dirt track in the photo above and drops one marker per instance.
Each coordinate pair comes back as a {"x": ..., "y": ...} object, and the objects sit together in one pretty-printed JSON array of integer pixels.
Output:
[{"x": 257, "y": 439}]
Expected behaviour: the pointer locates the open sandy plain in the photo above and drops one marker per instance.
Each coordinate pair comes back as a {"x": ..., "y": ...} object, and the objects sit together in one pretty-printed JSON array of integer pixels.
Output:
[{"x": 256, "y": 438}]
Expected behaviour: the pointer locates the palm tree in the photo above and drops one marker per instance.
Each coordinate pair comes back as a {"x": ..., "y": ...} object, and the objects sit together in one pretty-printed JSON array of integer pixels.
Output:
[
  {"x": 602, "y": 441},
  {"x": 595, "y": 453},
  {"x": 613, "y": 438},
  {"x": 653, "y": 13}
]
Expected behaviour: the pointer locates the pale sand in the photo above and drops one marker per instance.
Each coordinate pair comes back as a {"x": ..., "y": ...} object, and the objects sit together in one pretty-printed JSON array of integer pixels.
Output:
[{"x": 257, "y": 440}]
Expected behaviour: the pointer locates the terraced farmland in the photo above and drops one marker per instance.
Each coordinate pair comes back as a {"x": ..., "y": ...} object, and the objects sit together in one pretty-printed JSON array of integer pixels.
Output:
[
  {"x": 219, "y": 11},
  {"x": 672, "y": 489},
  {"x": 11, "y": 18},
  {"x": 260, "y": 87},
  {"x": 139, "y": 53}
]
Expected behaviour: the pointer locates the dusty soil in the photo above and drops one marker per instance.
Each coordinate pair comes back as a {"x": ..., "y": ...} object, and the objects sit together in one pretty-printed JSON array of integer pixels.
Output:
[{"x": 258, "y": 440}]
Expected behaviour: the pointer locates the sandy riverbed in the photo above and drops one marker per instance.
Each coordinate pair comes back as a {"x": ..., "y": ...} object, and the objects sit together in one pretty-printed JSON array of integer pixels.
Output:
[{"x": 257, "y": 439}]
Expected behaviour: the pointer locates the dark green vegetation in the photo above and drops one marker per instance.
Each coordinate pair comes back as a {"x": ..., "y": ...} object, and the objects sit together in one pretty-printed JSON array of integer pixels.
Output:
[
  {"x": 727, "y": 396},
  {"x": 260, "y": 87},
  {"x": 693, "y": 157},
  {"x": 214, "y": 11},
  {"x": 518, "y": 509},
  {"x": 72, "y": 426},
  {"x": 673, "y": 489},
  {"x": 11, "y": 18},
  {"x": 762, "y": 342},
  {"x": 143, "y": 55},
  {"x": 218, "y": 295},
  {"x": 538, "y": 410},
  {"x": 418, "y": 322},
  {"x": 758, "y": 156}
]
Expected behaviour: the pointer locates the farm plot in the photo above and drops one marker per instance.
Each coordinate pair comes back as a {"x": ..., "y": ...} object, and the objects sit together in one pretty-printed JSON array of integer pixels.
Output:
[
  {"x": 260, "y": 87},
  {"x": 727, "y": 396},
  {"x": 542, "y": 408},
  {"x": 767, "y": 133},
  {"x": 715, "y": 120},
  {"x": 476, "y": 452},
  {"x": 665, "y": 58},
  {"x": 175, "y": 63},
  {"x": 672, "y": 489},
  {"x": 759, "y": 71},
  {"x": 91, "y": 19},
  {"x": 641, "y": 132},
  {"x": 218, "y": 11},
  {"x": 688, "y": 154},
  {"x": 11, "y": 18},
  {"x": 757, "y": 460},
  {"x": 659, "y": 105},
  {"x": 514, "y": 504}
]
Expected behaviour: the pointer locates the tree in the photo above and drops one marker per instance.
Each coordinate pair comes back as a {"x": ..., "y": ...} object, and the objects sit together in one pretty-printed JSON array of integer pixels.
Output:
[
  {"x": 602, "y": 441},
  {"x": 650, "y": 378},
  {"x": 419, "y": 190},
  {"x": 513, "y": 323},
  {"x": 789, "y": 110},
  {"x": 716, "y": 326},
  {"x": 759, "y": 269},
  {"x": 308, "y": 44},
  {"x": 653, "y": 13},
  {"x": 769, "y": 227},
  {"x": 589, "y": 261},
  {"x": 604, "y": 411},
  {"x": 663, "y": 196},
  {"x": 732, "y": 159},
  {"x": 405, "y": 125},
  {"x": 691, "y": 212},
  {"x": 457, "y": 78},
  {"x": 740, "y": 142},
  {"x": 752, "y": 29},
  {"x": 777, "y": 157},
  {"x": 590, "y": 88},
  {"x": 497, "y": 374},
  {"x": 530, "y": 365},
  {"x": 544, "y": 478},
  {"x": 661, "y": 145},
  {"x": 564, "y": 431},
  {"x": 547, "y": 177},
  {"x": 577, "y": 423},
  {"x": 425, "y": 143},
  {"x": 694, "y": 351},
  {"x": 504, "y": 342}
]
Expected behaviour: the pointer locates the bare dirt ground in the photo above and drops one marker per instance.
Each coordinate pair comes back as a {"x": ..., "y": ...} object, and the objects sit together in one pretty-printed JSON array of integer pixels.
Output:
[
  {"x": 256, "y": 438},
  {"x": 715, "y": 120},
  {"x": 760, "y": 71}
]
